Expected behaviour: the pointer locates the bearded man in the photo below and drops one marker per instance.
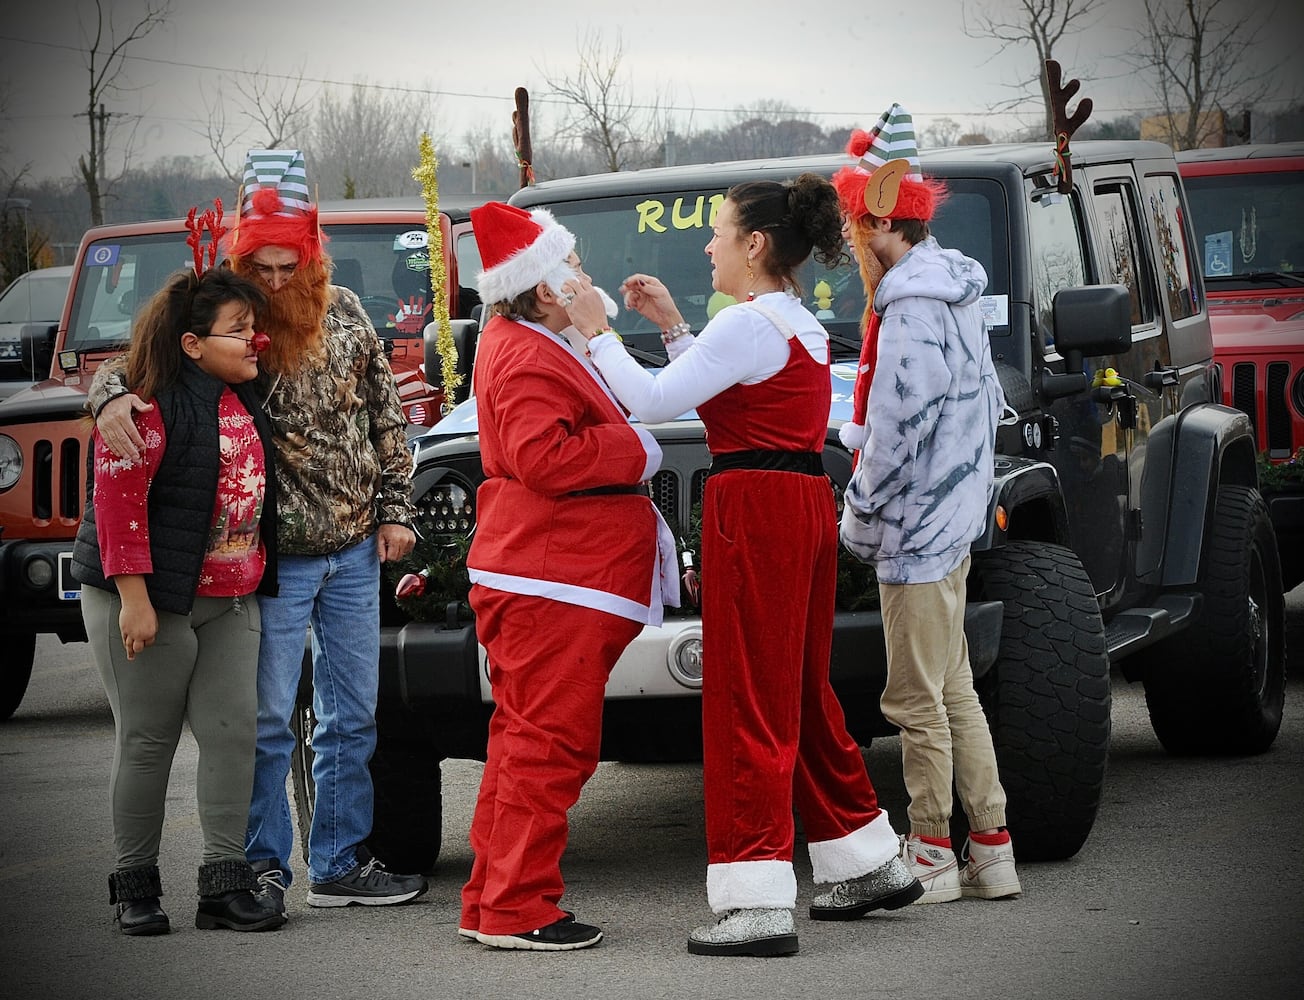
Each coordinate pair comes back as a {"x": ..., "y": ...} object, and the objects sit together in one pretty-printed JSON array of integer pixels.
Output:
[{"x": 343, "y": 473}]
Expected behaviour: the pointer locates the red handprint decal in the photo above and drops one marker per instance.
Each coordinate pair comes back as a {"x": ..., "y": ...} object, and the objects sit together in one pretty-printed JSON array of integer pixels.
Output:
[{"x": 411, "y": 317}]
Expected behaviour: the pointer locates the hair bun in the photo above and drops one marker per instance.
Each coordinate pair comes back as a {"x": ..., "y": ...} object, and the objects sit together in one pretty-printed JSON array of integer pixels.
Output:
[{"x": 859, "y": 142}]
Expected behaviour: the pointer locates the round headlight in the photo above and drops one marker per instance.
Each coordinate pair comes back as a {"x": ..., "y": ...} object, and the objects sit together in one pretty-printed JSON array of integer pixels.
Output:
[
  {"x": 11, "y": 461},
  {"x": 684, "y": 658},
  {"x": 447, "y": 506}
]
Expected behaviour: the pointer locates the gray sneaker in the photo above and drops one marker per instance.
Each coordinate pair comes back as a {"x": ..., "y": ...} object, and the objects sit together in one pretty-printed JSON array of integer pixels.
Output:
[
  {"x": 760, "y": 932},
  {"x": 890, "y": 886},
  {"x": 367, "y": 884}
]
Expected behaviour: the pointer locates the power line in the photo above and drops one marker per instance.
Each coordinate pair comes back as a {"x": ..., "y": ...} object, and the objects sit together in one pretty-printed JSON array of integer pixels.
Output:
[{"x": 427, "y": 92}]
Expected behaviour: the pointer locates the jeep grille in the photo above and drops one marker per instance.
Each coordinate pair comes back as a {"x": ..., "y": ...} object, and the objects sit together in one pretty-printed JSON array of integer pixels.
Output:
[
  {"x": 1272, "y": 426},
  {"x": 57, "y": 479}
]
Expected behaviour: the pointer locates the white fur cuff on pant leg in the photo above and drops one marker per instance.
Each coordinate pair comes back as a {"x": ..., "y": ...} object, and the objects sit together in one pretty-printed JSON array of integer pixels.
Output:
[
  {"x": 745, "y": 885},
  {"x": 858, "y": 853}
]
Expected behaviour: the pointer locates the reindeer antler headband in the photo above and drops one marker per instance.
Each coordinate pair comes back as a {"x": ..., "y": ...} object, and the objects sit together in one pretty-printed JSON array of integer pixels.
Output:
[{"x": 210, "y": 222}]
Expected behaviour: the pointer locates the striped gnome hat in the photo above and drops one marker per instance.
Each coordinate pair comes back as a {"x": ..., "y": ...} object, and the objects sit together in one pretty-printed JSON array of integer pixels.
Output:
[
  {"x": 275, "y": 209},
  {"x": 886, "y": 181}
]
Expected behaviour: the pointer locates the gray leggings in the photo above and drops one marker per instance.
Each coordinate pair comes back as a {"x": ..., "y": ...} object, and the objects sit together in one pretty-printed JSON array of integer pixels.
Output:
[{"x": 203, "y": 667}]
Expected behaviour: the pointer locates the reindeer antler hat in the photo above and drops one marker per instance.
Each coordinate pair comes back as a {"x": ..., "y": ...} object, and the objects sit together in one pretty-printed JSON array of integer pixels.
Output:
[{"x": 886, "y": 181}]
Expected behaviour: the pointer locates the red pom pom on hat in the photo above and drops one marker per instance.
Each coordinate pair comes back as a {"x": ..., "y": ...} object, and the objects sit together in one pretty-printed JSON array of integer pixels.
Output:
[
  {"x": 266, "y": 201},
  {"x": 859, "y": 142}
]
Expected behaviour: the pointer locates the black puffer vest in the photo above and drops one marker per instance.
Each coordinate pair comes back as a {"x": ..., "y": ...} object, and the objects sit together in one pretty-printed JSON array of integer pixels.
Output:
[{"x": 183, "y": 493}]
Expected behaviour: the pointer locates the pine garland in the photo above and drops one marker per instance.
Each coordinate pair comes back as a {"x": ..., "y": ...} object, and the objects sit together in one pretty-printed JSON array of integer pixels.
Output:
[
  {"x": 426, "y": 175},
  {"x": 1277, "y": 477}
]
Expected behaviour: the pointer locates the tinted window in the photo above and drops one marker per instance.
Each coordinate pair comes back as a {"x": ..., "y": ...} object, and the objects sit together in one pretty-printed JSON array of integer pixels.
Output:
[
  {"x": 116, "y": 278},
  {"x": 389, "y": 268},
  {"x": 1122, "y": 261},
  {"x": 666, "y": 235},
  {"x": 1058, "y": 258},
  {"x": 1164, "y": 204},
  {"x": 34, "y": 297},
  {"x": 1247, "y": 223}
]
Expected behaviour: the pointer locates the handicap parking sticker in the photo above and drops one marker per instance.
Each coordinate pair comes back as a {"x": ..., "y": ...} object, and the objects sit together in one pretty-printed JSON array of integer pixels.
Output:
[{"x": 1218, "y": 254}]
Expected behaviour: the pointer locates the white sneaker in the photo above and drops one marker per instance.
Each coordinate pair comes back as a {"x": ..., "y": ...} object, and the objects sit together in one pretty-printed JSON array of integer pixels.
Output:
[
  {"x": 989, "y": 871},
  {"x": 935, "y": 867}
]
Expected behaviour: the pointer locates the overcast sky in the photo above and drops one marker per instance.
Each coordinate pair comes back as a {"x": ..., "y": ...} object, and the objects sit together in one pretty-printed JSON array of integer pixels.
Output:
[{"x": 841, "y": 62}]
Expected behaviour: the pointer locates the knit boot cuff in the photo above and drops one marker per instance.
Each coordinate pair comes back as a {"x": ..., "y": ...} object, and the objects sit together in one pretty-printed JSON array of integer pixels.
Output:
[
  {"x": 134, "y": 883},
  {"x": 226, "y": 876}
]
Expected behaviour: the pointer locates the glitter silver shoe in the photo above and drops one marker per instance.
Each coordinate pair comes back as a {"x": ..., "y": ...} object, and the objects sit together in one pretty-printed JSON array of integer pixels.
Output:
[
  {"x": 746, "y": 932},
  {"x": 888, "y": 887}
]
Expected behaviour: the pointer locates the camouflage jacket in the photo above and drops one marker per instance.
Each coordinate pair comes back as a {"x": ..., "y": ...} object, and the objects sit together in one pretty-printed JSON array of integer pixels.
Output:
[{"x": 342, "y": 462}]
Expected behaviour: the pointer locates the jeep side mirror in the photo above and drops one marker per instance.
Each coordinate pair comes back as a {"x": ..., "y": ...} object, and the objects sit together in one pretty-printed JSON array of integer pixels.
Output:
[
  {"x": 1089, "y": 321},
  {"x": 465, "y": 334},
  {"x": 38, "y": 348}
]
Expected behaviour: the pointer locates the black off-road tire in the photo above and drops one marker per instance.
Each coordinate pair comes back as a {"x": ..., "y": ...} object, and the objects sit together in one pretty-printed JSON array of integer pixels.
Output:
[
  {"x": 1219, "y": 686},
  {"x": 1047, "y": 696},
  {"x": 301, "y": 758},
  {"x": 20, "y": 654},
  {"x": 407, "y": 821},
  {"x": 407, "y": 818}
]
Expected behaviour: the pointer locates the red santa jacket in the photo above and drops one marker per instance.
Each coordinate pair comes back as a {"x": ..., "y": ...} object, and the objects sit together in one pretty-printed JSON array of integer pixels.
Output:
[{"x": 547, "y": 430}]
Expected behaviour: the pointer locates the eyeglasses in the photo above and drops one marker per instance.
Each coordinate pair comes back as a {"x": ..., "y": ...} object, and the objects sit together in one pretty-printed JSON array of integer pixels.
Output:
[{"x": 260, "y": 341}]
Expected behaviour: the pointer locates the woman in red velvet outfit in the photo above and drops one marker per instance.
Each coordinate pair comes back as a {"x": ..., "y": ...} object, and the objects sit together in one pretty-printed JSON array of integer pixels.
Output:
[{"x": 773, "y": 729}]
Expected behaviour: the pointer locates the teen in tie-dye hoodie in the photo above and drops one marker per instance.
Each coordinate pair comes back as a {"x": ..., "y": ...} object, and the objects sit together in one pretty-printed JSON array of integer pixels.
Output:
[{"x": 919, "y": 496}]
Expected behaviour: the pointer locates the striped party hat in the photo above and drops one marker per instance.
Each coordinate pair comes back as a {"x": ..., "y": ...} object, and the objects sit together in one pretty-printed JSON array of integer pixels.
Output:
[
  {"x": 281, "y": 169},
  {"x": 886, "y": 181},
  {"x": 892, "y": 138},
  {"x": 275, "y": 208}
]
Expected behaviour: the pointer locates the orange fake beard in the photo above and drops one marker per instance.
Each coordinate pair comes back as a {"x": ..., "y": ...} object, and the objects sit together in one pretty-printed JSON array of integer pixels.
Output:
[
  {"x": 295, "y": 313},
  {"x": 871, "y": 268}
]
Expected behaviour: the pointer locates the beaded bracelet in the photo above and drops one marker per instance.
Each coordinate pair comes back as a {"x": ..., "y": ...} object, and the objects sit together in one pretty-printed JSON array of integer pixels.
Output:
[{"x": 675, "y": 332}]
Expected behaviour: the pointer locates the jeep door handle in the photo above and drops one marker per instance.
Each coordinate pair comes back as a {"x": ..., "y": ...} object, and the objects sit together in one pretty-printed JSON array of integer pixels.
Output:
[{"x": 1160, "y": 378}]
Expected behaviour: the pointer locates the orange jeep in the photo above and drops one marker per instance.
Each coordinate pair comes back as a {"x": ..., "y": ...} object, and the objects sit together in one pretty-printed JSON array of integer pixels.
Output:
[{"x": 380, "y": 250}]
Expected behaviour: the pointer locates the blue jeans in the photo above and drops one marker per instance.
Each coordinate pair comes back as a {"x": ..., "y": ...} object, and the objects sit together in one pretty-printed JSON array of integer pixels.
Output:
[{"x": 338, "y": 596}]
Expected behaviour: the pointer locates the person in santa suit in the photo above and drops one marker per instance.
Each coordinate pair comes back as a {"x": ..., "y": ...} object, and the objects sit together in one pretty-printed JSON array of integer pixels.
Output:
[
  {"x": 758, "y": 375},
  {"x": 569, "y": 562}
]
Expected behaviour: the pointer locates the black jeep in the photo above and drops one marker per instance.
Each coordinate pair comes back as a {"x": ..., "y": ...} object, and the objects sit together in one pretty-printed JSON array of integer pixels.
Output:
[{"x": 1126, "y": 525}]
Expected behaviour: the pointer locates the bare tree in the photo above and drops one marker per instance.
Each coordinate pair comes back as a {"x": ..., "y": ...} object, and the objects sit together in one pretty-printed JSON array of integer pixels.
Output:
[
  {"x": 602, "y": 114},
  {"x": 1205, "y": 57},
  {"x": 272, "y": 112},
  {"x": 941, "y": 132},
  {"x": 105, "y": 51},
  {"x": 364, "y": 145},
  {"x": 1043, "y": 24}
]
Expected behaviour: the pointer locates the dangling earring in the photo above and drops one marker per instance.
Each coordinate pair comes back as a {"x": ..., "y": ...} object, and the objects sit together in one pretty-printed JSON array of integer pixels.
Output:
[{"x": 751, "y": 280}]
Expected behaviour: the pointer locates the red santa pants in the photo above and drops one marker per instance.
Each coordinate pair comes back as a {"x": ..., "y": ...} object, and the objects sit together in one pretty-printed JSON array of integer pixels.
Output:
[
  {"x": 548, "y": 666},
  {"x": 773, "y": 729}
]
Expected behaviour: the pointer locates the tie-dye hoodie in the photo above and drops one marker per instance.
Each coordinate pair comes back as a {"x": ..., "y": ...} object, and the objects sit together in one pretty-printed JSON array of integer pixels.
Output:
[{"x": 919, "y": 495}]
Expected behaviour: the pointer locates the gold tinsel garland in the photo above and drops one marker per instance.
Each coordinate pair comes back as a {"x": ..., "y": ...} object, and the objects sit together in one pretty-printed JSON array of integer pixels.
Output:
[{"x": 425, "y": 175}]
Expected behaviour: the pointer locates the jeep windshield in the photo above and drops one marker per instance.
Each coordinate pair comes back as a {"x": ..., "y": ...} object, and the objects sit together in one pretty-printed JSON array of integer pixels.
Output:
[
  {"x": 1249, "y": 227},
  {"x": 387, "y": 265},
  {"x": 666, "y": 235}
]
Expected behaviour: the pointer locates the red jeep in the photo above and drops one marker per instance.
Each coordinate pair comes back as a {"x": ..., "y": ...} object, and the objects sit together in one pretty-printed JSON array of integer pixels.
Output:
[
  {"x": 380, "y": 250},
  {"x": 1247, "y": 208}
]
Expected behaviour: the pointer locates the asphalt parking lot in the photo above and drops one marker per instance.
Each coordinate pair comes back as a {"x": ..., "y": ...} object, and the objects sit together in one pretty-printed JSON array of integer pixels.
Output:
[{"x": 1189, "y": 886}]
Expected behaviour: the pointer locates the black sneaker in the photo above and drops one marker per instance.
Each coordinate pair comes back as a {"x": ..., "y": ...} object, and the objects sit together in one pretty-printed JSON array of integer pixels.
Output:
[
  {"x": 271, "y": 882},
  {"x": 368, "y": 884},
  {"x": 565, "y": 935}
]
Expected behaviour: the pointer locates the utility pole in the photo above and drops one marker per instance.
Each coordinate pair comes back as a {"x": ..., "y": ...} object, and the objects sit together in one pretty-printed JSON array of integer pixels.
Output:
[{"x": 92, "y": 171}]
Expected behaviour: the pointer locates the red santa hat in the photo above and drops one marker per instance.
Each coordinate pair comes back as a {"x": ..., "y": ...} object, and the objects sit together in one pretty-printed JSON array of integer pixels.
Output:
[
  {"x": 519, "y": 249},
  {"x": 886, "y": 181},
  {"x": 274, "y": 206}
]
